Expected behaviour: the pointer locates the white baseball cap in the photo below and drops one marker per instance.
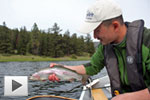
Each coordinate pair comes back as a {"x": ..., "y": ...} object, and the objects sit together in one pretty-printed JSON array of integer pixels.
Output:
[{"x": 98, "y": 12}]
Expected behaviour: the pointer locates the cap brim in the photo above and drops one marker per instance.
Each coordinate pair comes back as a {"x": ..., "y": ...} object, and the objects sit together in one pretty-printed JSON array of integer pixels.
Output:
[{"x": 88, "y": 27}]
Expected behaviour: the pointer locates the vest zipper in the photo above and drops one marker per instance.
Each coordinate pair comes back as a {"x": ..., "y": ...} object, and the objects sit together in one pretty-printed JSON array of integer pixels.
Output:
[{"x": 123, "y": 65}]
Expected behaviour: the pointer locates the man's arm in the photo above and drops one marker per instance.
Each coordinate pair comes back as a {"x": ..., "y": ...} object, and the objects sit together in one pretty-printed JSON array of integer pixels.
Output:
[
  {"x": 79, "y": 68},
  {"x": 138, "y": 95}
]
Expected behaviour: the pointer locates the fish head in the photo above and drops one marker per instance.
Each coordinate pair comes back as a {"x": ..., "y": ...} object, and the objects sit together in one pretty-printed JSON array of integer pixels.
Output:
[{"x": 35, "y": 76}]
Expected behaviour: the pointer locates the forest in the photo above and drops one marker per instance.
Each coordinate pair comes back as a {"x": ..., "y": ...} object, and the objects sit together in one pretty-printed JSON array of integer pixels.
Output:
[{"x": 39, "y": 42}]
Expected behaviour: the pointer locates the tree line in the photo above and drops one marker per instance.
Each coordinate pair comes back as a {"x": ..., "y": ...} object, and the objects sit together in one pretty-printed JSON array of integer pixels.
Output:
[{"x": 42, "y": 43}]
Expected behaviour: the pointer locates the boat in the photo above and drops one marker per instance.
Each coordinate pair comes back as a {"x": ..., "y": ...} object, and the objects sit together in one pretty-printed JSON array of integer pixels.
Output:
[
  {"x": 49, "y": 97},
  {"x": 97, "y": 89}
]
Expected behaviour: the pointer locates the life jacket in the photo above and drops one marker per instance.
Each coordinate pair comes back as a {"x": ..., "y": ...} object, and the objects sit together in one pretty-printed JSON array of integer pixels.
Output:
[{"x": 133, "y": 60}]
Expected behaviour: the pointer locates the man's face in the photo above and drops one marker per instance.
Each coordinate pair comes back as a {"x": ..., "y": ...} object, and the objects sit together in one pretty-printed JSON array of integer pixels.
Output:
[{"x": 106, "y": 34}]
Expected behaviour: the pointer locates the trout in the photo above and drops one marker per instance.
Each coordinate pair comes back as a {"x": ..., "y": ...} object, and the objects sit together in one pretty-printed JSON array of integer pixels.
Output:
[{"x": 64, "y": 74}]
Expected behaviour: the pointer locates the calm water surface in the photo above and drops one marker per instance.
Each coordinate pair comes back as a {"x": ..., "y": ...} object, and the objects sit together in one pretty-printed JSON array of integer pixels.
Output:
[{"x": 66, "y": 89}]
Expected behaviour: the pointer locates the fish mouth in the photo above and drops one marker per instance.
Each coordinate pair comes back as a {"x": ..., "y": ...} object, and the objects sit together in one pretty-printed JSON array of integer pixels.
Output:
[
  {"x": 32, "y": 78},
  {"x": 35, "y": 79}
]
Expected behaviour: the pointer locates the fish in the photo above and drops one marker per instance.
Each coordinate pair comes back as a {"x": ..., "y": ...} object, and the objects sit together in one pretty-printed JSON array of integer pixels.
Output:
[{"x": 64, "y": 74}]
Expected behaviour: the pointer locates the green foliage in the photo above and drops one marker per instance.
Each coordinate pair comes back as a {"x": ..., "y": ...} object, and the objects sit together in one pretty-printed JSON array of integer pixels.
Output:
[
  {"x": 56, "y": 29},
  {"x": 73, "y": 56},
  {"x": 89, "y": 45},
  {"x": 23, "y": 40},
  {"x": 5, "y": 39},
  {"x": 37, "y": 42},
  {"x": 34, "y": 41}
]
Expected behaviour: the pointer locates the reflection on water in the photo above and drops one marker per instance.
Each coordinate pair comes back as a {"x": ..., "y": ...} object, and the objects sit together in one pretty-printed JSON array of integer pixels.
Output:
[{"x": 66, "y": 89}]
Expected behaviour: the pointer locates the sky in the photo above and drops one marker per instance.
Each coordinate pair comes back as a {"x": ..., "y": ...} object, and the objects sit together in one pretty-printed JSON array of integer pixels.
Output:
[{"x": 68, "y": 14}]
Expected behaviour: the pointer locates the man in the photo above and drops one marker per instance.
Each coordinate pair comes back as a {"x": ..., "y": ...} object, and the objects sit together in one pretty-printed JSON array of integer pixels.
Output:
[{"x": 124, "y": 50}]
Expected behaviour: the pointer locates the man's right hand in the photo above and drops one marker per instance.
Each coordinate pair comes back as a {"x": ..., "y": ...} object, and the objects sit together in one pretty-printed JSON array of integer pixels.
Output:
[{"x": 52, "y": 64}]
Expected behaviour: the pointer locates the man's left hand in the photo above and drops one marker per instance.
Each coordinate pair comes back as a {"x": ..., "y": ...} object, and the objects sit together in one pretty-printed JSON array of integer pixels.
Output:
[{"x": 138, "y": 95}]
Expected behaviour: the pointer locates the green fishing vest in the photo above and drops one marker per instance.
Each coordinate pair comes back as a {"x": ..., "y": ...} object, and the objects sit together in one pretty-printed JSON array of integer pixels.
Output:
[{"x": 133, "y": 60}]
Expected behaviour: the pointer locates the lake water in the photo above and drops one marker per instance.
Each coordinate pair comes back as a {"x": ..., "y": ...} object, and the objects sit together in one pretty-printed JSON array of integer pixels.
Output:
[{"x": 66, "y": 89}]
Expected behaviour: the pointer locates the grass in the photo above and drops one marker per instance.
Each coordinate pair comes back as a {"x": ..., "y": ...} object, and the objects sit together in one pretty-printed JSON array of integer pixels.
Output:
[{"x": 21, "y": 58}]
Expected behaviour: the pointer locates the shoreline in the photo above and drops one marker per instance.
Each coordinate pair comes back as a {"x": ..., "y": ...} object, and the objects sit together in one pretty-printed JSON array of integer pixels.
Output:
[{"x": 33, "y": 58}]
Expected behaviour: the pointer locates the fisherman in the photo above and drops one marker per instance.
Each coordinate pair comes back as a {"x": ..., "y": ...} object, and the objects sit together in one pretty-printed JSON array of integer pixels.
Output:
[{"x": 124, "y": 49}]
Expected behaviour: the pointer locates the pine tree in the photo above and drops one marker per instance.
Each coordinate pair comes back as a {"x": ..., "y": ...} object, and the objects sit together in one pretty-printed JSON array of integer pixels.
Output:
[
  {"x": 89, "y": 45},
  {"x": 23, "y": 40},
  {"x": 57, "y": 40},
  {"x": 43, "y": 44},
  {"x": 55, "y": 29},
  {"x": 5, "y": 44},
  {"x": 66, "y": 43},
  {"x": 34, "y": 42},
  {"x": 14, "y": 39}
]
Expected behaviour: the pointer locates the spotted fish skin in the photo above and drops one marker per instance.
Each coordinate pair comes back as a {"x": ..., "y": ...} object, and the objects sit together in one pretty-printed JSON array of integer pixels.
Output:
[{"x": 64, "y": 74}]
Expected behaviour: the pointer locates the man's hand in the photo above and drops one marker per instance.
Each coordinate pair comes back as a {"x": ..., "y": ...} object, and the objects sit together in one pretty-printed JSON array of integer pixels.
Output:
[
  {"x": 122, "y": 97},
  {"x": 52, "y": 64},
  {"x": 139, "y": 95}
]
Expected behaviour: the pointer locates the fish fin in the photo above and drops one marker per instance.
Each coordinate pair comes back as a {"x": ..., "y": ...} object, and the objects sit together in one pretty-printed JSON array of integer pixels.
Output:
[{"x": 42, "y": 79}]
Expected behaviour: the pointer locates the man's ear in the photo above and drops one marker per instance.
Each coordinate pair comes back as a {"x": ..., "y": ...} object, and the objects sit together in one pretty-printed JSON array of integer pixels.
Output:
[{"x": 116, "y": 25}]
